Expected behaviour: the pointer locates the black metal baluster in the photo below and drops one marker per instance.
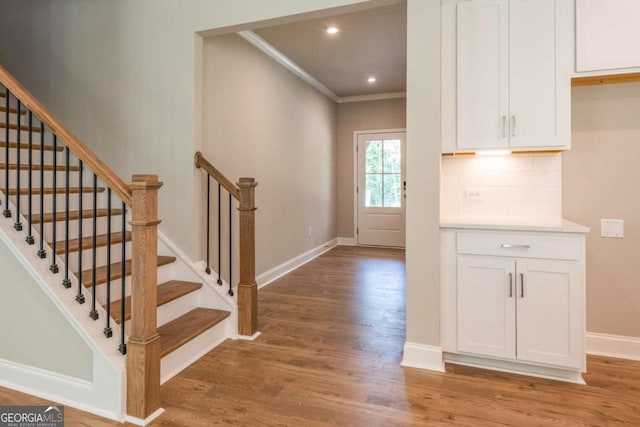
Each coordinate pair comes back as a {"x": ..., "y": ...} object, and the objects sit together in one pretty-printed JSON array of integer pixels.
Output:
[
  {"x": 219, "y": 237},
  {"x": 94, "y": 313},
  {"x": 230, "y": 248},
  {"x": 208, "y": 269},
  {"x": 29, "y": 239},
  {"x": 66, "y": 282},
  {"x": 18, "y": 225},
  {"x": 6, "y": 212},
  {"x": 54, "y": 267},
  {"x": 42, "y": 254},
  {"x": 107, "y": 330},
  {"x": 80, "y": 295},
  {"x": 123, "y": 346}
]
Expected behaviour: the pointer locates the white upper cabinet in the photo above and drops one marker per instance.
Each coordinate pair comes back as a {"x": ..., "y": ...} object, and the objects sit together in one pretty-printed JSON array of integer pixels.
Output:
[
  {"x": 506, "y": 70},
  {"x": 483, "y": 74},
  {"x": 607, "y": 35}
]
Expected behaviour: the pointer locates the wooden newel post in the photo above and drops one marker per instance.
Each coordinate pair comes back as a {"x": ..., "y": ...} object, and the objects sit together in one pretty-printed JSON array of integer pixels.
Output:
[
  {"x": 247, "y": 286},
  {"x": 143, "y": 348}
]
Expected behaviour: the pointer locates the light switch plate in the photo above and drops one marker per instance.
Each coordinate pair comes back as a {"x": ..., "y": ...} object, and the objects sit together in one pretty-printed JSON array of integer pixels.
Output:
[{"x": 612, "y": 228}]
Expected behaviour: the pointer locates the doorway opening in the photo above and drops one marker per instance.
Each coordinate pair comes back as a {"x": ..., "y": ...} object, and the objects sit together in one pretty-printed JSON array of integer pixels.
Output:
[{"x": 380, "y": 188}]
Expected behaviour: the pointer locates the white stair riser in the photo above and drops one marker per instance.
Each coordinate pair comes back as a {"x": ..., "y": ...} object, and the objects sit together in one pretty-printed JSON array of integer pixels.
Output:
[
  {"x": 24, "y": 135},
  {"x": 101, "y": 256},
  {"x": 24, "y": 157},
  {"x": 87, "y": 227},
  {"x": 174, "y": 309},
  {"x": 35, "y": 178},
  {"x": 87, "y": 202},
  {"x": 164, "y": 275},
  {"x": 178, "y": 307},
  {"x": 173, "y": 363}
]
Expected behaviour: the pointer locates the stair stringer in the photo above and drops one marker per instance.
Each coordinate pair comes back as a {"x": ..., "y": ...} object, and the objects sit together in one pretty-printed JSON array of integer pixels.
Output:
[{"x": 105, "y": 395}]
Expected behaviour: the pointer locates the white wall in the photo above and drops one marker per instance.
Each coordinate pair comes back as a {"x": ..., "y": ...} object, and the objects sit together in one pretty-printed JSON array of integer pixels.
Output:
[
  {"x": 262, "y": 121},
  {"x": 355, "y": 116},
  {"x": 521, "y": 186},
  {"x": 123, "y": 76},
  {"x": 33, "y": 332},
  {"x": 423, "y": 172},
  {"x": 602, "y": 180}
]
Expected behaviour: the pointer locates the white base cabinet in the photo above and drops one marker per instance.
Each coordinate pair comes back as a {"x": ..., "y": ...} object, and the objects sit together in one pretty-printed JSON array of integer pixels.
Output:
[{"x": 516, "y": 297}]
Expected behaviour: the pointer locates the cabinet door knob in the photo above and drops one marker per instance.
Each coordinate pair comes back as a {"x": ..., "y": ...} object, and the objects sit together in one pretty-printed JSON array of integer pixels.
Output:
[
  {"x": 513, "y": 125},
  {"x": 510, "y": 285},
  {"x": 521, "y": 285}
]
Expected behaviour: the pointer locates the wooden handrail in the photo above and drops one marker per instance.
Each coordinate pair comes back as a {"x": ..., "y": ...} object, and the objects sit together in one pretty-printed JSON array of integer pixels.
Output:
[
  {"x": 77, "y": 147},
  {"x": 244, "y": 192},
  {"x": 203, "y": 163}
]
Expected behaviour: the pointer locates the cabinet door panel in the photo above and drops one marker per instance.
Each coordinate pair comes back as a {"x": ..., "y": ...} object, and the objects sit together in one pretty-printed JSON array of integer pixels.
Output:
[
  {"x": 539, "y": 94},
  {"x": 486, "y": 311},
  {"x": 606, "y": 34},
  {"x": 549, "y": 313},
  {"x": 482, "y": 74}
]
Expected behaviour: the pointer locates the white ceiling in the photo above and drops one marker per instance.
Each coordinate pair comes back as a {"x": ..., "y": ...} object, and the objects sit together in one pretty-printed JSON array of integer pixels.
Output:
[{"x": 370, "y": 43}]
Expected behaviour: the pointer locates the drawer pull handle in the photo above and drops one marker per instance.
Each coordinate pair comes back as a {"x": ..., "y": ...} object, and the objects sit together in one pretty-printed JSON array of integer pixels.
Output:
[
  {"x": 510, "y": 285},
  {"x": 521, "y": 285},
  {"x": 510, "y": 246}
]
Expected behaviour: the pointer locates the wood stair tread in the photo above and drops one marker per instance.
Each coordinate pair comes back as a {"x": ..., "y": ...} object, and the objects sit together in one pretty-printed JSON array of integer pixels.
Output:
[
  {"x": 59, "y": 190},
  {"x": 37, "y": 167},
  {"x": 101, "y": 272},
  {"x": 167, "y": 292},
  {"x": 87, "y": 242},
  {"x": 22, "y": 127},
  {"x": 187, "y": 327},
  {"x": 74, "y": 215},
  {"x": 12, "y": 110},
  {"x": 25, "y": 146}
]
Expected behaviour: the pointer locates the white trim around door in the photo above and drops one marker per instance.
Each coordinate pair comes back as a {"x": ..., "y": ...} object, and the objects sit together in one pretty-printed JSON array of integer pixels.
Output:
[{"x": 356, "y": 135}]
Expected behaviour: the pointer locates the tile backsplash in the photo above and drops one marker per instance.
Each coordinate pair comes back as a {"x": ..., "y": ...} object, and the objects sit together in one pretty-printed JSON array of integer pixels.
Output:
[{"x": 519, "y": 186}]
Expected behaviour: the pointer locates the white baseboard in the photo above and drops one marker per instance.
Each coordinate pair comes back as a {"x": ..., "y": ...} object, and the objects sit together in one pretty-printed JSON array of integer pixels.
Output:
[
  {"x": 249, "y": 337},
  {"x": 146, "y": 421},
  {"x": 275, "y": 273},
  {"x": 514, "y": 367},
  {"x": 617, "y": 346},
  {"x": 422, "y": 356},
  {"x": 346, "y": 241},
  {"x": 53, "y": 386}
]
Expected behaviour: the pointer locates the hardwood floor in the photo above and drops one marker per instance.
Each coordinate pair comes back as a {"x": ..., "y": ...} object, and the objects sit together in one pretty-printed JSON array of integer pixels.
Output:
[{"x": 329, "y": 354}]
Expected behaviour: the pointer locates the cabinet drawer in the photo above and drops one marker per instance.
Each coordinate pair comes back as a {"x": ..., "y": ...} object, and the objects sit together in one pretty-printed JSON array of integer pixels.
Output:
[{"x": 520, "y": 245}]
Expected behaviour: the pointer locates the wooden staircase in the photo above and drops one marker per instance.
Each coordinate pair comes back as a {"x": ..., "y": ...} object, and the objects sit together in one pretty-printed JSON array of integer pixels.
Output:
[{"x": 177, "y": 301}]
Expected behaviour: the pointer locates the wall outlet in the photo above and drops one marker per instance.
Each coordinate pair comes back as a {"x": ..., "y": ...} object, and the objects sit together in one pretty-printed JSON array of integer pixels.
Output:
[
  {"x": 612, "y": 228},
  {"x": 309, "y": 232},
  {"x": 474, "y": 194}
]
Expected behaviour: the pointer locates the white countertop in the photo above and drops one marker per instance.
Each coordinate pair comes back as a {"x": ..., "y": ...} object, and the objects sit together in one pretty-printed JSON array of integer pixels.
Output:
[{"x": 502, "y": 223}]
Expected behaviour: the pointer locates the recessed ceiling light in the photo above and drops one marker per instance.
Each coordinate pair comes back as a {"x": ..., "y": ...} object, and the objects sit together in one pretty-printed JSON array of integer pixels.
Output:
[
  {"x": 332, "y": 30},
  {"x": 371, "y": 79}
]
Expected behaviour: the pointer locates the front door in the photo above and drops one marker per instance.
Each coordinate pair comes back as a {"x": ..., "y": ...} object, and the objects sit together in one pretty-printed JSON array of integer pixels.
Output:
[{"x": 380, "y": 189}]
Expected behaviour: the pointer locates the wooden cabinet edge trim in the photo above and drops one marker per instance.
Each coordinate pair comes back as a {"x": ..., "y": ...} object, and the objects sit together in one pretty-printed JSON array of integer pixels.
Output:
[{"x": 605, "y": 79}]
